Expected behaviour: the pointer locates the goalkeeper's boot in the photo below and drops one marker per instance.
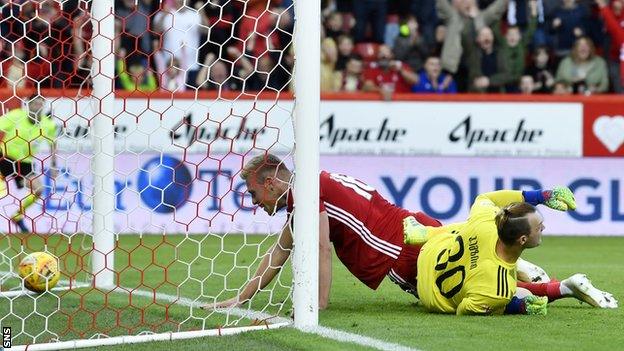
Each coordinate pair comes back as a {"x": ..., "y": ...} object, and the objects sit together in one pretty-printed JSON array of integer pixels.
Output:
[
  {"x": 531, "y": 273},
  {"x": 583, "y": 290},
  {"x": 414, "y": 233},
  {"x": 19, "y": 222}
]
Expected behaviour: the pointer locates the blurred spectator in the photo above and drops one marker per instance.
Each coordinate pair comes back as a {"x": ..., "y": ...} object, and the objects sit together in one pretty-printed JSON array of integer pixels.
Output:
[
  {"x": 409, "y": 46},
  {"x": 542, "y": 70},
  {"x": 285, "y": 23},
  {"x": 514, "y": 48},
  {"x": 614, "y": 20},
  {"x": 137, "y": 77},
  {"x": 18, "y": 71},
  {"x": 432, "y": 80},
  {"x": 13, "y": 70},
  {"x": 569, "y": 23},
  {"x": 260, "y": 27},
  {"x": 170, "y": 74},
  {"x": 371, "y": 12},
  {"x": 230, "y": 74},
  {"x": 426, "y": 16},
  {"x": 550, "y": 7},
  {"x": 391, "y": 32},
  {"x": 463, "y": 19},
  {"x": 180, "y": 27},
  {"x": 330, "y": 78},
  {"x": 351, "y": 77},
  {"x": 562, "y": 88},
  {"x": 345, "y": 51},
  {"x": 388, "y": 76},
  {"x": 82, "y": 31},
  {"x": 440, "y": 36},
  {"x": 46, "y": 25},
  {"x": 333, "y": 25},
  {"x": 488, "y": 69},
  {"x": 269, "y": 74},
  {"x": 527, "y": 85},
  {"x": 136, "y": 37},
  {"x": 221, "y": 14},
  {"x": 517, "y": 13},
  {"x": 216, "y": 74},
  {"x": 47, "y": 43},
  {"x": 243, "y": 67},
  {"x": 343, "y": 6},
  {"x": 541, "y": 36},
  {"x": 583, "y": 70}
]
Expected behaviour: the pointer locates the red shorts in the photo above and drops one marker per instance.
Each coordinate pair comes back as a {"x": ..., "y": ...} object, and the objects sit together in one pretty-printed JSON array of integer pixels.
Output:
[{"x": 404, "y": 271}]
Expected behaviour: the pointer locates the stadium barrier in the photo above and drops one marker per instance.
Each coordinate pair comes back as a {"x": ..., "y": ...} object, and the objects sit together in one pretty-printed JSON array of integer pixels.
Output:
[
  {"x": 490, "y": 142},
  {"x": 457, "y": 125}
]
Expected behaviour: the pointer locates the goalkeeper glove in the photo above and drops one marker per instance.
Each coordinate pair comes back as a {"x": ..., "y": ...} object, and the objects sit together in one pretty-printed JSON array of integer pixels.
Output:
[
  {"x": 559, "y": 198},
  {"x": 536, "y": 305},
  {"x": 414, "y": 233}
]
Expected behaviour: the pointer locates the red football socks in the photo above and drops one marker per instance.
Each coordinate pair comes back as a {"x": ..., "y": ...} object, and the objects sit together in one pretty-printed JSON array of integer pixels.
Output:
[{"x": 551, "y": 290}]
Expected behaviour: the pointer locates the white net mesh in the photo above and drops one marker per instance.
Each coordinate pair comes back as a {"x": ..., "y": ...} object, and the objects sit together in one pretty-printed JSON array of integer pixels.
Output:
[{"x": 184, "y": 229}]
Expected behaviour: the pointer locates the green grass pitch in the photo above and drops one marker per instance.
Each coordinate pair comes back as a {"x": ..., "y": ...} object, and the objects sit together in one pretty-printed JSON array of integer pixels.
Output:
[{"x": 168, "y": 264}]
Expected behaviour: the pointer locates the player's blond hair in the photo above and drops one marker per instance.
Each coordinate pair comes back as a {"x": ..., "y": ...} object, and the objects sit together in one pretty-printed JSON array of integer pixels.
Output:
[{"x": 265, "y": 165}]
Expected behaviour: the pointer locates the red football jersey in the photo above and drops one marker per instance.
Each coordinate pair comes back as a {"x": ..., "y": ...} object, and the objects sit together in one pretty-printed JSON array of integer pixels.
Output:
[
  {"x": 367, "y": 230},
  {"x": 381, "y": 76}
]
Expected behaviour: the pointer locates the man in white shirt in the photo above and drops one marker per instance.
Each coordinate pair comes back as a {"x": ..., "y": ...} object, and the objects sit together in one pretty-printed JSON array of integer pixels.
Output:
[{"x": 181, "y": 28}]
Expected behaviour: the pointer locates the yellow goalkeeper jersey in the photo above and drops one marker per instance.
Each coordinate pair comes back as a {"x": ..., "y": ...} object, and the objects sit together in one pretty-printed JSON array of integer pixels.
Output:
[
  {"x": 458, "y": 268},
  {"x": 21, "y": 136}
]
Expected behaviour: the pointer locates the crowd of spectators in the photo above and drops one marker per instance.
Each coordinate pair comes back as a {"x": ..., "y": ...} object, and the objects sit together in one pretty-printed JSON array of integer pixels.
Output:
[
  {"x": 171, "y": 45},
  {"x": 493, "y": 46},
  {"x": 385, "y": 46}
]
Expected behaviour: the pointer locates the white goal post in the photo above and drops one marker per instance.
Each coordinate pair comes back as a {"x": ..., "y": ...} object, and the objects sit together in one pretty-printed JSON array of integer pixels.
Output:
[
  {"x": 307, "y": 92},
  {"x": 103, "y": 95}
]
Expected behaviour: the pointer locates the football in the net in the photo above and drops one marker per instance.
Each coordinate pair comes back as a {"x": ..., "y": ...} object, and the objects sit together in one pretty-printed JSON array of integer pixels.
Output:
[{"x": 39, "y": 271}]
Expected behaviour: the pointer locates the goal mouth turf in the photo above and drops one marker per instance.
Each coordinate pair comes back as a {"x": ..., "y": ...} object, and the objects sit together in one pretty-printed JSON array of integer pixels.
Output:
[{"x": 161, "y": 288}]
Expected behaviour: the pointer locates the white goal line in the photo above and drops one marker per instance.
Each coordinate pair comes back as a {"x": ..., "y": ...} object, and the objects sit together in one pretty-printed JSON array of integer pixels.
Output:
[
  {"x": 275, "y": 322},
  {"x": 134, "y": 339},
  {"x": 65, "y": 285},
  {"x": 325, "y": 332},
  {"x": 235, "y": 311}
]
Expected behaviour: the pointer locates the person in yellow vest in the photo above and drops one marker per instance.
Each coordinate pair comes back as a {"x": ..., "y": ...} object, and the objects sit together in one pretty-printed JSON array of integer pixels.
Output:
[{"x": 21, "y": 132}]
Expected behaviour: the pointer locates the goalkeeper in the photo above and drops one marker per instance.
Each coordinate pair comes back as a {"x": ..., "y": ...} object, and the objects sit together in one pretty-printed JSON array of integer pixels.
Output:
[
  {"x": 470, "y": 267},
  {"x": 21, "y": 130}
]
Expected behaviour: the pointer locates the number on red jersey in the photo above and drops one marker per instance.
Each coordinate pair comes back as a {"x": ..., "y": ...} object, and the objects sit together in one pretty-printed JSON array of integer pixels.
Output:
[{"x": 360, "y": 188}]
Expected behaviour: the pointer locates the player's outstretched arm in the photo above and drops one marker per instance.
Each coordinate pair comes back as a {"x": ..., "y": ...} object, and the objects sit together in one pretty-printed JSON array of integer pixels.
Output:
[
  {"x": 325, "y": 261},
  {"x": 499, "y": 198},
  {"x": 560, "y": 198},
  {"x": 530, "y": 304},
  {"x": 476, "y": 304},
  {"x": 270, "y": 265},
  {"x": 480, "y": 305}
]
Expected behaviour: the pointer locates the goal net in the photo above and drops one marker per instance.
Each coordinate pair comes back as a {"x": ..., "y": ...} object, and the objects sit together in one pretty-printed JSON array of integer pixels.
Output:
[{"x": 157, "y": 105}]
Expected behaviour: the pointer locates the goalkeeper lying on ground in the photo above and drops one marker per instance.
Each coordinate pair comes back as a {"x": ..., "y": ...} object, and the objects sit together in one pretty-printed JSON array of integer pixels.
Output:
[
  {"x": 364, "y": 229},
  {"x": 470, "y": 267}
]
